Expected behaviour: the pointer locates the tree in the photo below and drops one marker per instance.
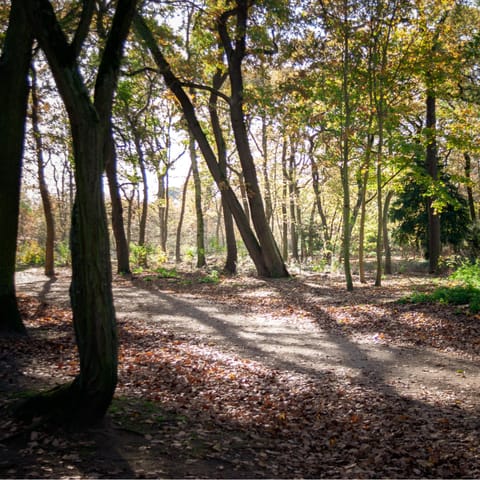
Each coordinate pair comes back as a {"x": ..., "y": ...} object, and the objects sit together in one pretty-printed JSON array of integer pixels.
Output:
[
  {"x": 14, "y": 65},
  {"x": 86, "y": 399},
  {"x": 43, "y": 186},
  {"x": 258, "y": 254},
  {"x": 410, "y": 210}
]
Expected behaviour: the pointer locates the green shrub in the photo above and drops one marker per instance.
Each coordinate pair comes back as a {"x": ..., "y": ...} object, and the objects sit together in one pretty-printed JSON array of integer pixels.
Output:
[
  {"x": 212, "y": 277},
  {"x": 166, "y": 272},
  {"x": 463, "y": 289}
]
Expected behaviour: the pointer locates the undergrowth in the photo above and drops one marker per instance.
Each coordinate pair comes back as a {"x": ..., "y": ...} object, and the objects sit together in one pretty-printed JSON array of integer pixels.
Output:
[{"x": 462, "y": 288}]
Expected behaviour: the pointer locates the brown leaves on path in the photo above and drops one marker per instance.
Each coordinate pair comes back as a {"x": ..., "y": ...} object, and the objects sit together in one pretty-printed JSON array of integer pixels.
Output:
[{"x": 201, "y": 411}]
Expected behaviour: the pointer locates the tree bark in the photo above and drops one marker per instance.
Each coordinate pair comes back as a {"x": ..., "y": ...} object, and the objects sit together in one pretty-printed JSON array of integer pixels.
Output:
[
  {"x": 87, "y": 398},
  {"x": 14, "y": 64},
  {"x": 49, "y": 267}
]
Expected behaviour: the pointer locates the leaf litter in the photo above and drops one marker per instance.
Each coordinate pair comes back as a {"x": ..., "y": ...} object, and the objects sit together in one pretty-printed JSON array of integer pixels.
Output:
[{"x": 188, "y": 408}]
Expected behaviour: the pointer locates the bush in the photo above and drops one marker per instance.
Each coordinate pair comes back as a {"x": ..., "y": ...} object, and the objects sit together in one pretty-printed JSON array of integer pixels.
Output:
[{"x": 463, "y": 289}]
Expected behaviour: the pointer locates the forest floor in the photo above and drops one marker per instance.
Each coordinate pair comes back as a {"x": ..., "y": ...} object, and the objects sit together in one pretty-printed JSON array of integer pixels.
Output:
[{"x": 253, "y": 378}]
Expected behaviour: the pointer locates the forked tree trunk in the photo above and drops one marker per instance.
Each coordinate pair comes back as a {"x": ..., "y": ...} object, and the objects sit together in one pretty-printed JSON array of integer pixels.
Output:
[
  {"x": 87, "y": 398},
  {"x": 235, "y": 52},
  {"x": 14, "y": 65},
  {"x": 251, "y": 243}
]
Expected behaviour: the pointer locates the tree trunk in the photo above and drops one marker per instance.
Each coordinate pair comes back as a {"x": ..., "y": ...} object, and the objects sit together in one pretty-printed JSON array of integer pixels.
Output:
[
  {"x": 14, "y": 65},
  {"x": 173, "y": 83},
  {"x": 290, "y": 175},
  {"x": 235, "y": 55},
  {"x": 143, "y": 172},
  {"x": 344, "y": 169},
  {"x": 121, "y": 242},
  {"x": 363, "y": 213},
  {"x": 327, "y": 239},
  {"x": 232, "y": 254},
  {"x": 434, "y": 245},
  {"x": 162, "y": 199},
  {"x": 266, "y": 178},
  {"x": 379, "y": 244},
  {"x": 201, "y": 261},
  {"x": 43, "y": 187},
  {"x": 285, "y": 183},
  {"x": 178, "y": 256},
  {"x": 86, "y": 400}
]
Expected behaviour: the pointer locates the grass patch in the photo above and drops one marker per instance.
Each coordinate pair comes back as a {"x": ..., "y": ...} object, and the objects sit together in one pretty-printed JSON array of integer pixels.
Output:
[{"x": 463, "y": 288}]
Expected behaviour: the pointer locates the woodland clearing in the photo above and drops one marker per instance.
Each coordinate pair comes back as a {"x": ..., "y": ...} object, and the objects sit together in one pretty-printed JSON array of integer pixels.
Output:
[{"x": 253, "y": 378}]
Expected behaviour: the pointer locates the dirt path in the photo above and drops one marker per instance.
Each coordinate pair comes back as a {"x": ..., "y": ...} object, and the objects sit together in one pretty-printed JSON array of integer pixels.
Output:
[{"x": 285, "y": 342}]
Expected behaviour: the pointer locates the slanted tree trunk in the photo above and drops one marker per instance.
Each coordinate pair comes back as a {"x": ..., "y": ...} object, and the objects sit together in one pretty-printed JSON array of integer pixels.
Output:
[
  {"x": 251, "y": 243},
  {"x": 327, "y": 239},
  {"x": 14, "y": 64},
  {"x": 49, "y": 268},
  {"x": 87, "y": 398}
]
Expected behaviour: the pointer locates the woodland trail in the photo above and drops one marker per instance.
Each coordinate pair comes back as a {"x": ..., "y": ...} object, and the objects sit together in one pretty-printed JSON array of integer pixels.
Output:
[{"x": 287, "y": 341}]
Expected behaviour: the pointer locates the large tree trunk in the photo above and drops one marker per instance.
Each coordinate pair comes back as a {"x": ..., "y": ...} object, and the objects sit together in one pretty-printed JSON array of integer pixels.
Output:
[
  {"x": 14, "y": 65},
  {"x": 86, "y": 400},
  {"x": 49, "y": 268}
]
